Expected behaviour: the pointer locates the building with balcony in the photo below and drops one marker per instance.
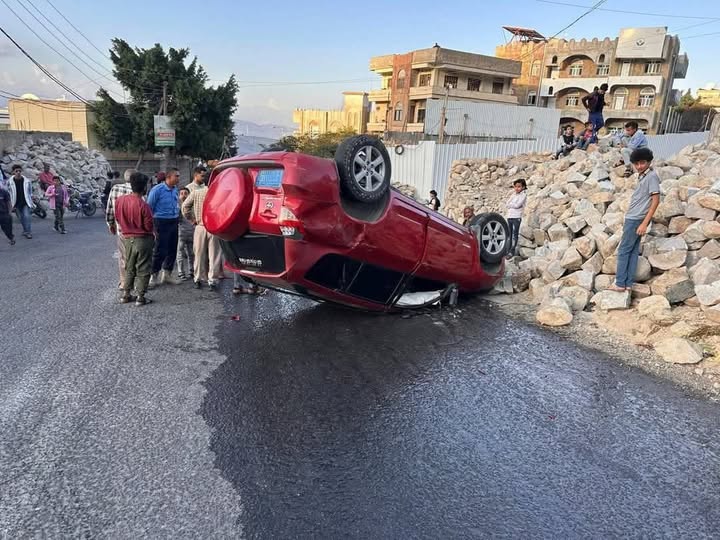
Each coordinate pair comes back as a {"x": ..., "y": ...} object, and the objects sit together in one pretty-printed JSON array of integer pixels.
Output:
[
  {"x": 353, "y": 116},
  {"x": 410, "y": 80},
  {"x": 640, "y": 67},
  {"x": 527, "y": 46}
]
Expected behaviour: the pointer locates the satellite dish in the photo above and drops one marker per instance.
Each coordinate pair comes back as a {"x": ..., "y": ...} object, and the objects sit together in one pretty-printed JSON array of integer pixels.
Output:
[{"x": 30, "y": 96}]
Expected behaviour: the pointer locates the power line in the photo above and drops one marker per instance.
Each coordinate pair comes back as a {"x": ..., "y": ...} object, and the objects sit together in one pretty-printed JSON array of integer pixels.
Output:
[
  {"x": 666, "y": 15},
  {"x": 76, "y": 28},
  {"x": 47, "y": 44},
  {"x": 42, "y": 68},
  {"x": 66, "y": 37},
  {"x": 575, "y": 21}
]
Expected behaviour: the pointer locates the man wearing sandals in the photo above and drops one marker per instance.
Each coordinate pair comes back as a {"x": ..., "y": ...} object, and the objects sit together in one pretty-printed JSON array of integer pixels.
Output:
[{"x": 645, "y": 200}]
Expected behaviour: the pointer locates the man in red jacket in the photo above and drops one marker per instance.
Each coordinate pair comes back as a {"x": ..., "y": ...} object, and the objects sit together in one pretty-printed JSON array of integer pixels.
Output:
[{"x": 135, "y": 219}]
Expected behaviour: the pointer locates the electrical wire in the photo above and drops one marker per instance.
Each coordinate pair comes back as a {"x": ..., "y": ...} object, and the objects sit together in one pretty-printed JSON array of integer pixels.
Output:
[
  {"x": 42, "y": 68},
  {"x": 594, "y": 7},
  {"x": 666, "y": 15},
  {"x": 75, "y": 28}
]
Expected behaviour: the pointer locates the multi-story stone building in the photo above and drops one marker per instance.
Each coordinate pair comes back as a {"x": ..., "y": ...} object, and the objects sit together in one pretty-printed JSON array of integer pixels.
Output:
[
  {"x": 528, "y": 47},
  {"x": 410, "y": 80},
  {"x": 640, "y": 67},
  {"x": 353, "y": 116}
]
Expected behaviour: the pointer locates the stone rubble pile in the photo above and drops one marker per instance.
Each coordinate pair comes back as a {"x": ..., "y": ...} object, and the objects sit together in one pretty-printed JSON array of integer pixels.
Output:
[
  {"x": 83, "y": 169},
  {"x": 572, "y": 227}
]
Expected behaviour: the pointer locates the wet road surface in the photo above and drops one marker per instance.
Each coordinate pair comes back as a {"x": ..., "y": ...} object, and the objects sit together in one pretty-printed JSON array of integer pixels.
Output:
[{"x": 301, "y": 420}]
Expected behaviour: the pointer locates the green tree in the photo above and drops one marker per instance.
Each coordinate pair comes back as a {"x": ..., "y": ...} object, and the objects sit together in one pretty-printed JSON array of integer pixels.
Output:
[
  {"x": 687, "y": 100},
  {"x": 323, "y": 145},
  {"x": 202, "y": 115}
]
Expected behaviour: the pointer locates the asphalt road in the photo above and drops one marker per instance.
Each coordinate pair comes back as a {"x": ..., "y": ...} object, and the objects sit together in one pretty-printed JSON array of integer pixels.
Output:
[{"x": 205, "y": 416}]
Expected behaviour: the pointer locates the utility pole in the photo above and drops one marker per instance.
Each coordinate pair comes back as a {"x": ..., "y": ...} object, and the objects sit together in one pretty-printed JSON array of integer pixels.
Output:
[
  {"x": 443, "y": 112},
  {"x": 163, "y": 112}
]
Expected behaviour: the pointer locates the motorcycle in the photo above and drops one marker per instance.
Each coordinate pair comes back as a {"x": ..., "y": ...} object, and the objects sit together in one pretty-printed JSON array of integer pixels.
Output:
[
  {"x": 85, "y": 203},
  {"x": 39, "y": 208}
]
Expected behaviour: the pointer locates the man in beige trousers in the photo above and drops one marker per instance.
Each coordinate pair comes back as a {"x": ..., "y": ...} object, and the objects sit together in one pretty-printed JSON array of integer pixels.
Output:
[
  {"x": 118, "y": 190},
  {"x": 208, "y": 255}
]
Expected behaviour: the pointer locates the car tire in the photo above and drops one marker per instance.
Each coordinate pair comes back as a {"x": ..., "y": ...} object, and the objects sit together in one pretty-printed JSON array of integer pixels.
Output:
[
  {"x": 493, "y": 236},
  {"x": 363, "y": 165}
]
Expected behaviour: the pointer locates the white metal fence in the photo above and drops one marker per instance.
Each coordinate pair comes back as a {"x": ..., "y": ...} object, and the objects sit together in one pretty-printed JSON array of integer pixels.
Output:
[{"x": 426, "y": 165}]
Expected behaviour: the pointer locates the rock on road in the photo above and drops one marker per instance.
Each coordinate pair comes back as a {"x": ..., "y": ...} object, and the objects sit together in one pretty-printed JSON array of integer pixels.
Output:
[{"x": 302, "y": 420}]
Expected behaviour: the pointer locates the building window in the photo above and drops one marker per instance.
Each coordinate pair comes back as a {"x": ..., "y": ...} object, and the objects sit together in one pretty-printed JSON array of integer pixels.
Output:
[
  {"x": 421, "y": 116},
  {"x": 647, "y": 97},
  {"x": 398, "y": 114},
  {"x": 474, "y": 85},
  {"x": 386, "y": 83},
  {"x": 401, "y": 79},
  {"x": 576, "y": 69},
  {"x": 573, "y": 99},
  {"x": 424, "y": 79},
  {"x": 451, "y": 81},
  {"x": 652, "y": 68},
  {"x": 620, "y": 98},
  {"x": 603, "y": 70},
  {"x": 532, "y": 98},
  {"x": 498, "y": 86},
  {"x": 601, "y": 59},
  {"x": 535, "y": 69},
  {"x": 551, "y": 91},
  {"x": 554, "y": 60}
]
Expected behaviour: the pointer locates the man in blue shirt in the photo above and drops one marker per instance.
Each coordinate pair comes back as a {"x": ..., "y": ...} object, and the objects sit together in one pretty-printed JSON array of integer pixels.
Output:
[{"x": 165, "y": 206}]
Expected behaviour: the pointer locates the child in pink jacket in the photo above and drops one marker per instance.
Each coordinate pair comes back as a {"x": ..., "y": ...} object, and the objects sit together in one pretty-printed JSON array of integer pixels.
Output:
[{"x": 58, "y": 197}]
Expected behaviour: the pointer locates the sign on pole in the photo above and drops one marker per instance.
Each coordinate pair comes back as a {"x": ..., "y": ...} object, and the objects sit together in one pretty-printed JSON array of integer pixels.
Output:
[{"x": 164, "y": 132}]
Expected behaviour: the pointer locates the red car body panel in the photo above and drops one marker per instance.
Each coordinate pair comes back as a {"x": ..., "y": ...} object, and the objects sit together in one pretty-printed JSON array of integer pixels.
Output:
[{"x": 406, "y": 238}]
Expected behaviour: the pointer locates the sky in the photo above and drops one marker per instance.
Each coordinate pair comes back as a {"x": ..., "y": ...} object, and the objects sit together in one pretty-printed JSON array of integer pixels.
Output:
[{"x": 290, "y": 55}]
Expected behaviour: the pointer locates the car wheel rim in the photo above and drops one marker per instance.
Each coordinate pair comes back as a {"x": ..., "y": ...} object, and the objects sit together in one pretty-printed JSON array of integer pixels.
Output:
[
  {"x": 369, "y": 169},
  {"x": 493, "y": 237}
]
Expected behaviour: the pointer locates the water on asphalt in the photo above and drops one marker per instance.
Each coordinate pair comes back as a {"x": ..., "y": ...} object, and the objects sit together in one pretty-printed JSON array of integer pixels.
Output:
[{"x": 204, "y": 415}]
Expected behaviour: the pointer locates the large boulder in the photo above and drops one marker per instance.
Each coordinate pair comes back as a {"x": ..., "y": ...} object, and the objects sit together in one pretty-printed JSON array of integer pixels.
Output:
[
  {"x": 677, "y": 350},
  {"x": 675, "y": 285},
  {"x": 709, "y": 200},
  {"x": 556, "y": 312},
  {"x": 711, "y": 250},
  {"x": 577, "y": 297},
  {"x": 695, "y": 211},
  {"x": 668, "y": 261},
  {"x": 571, "y": 260},
  {"x": 708, "y": 295},
  {"x": 611, "y": 300},
  {"x": 656, "y": 308},
  {"x": 705, "y": 272}
]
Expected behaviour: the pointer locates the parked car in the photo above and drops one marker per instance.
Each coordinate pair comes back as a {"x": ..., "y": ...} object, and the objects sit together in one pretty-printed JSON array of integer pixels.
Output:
[{"x": 334, "y": 230}]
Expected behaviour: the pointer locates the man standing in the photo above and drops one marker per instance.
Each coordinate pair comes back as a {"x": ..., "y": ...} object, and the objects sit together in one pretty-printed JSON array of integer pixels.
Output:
[
  {"x": 198, "y": 179},
  {"x": 20, "y": 189},
  {"x": 118, "y": 190},
  {"x": 135, "y": 218},
  {"x": 208, "y": 255},
  {"x": 164, "y": 203},
  {"x": 594, "y": 103},
  {"x": 46, "y": 177}
]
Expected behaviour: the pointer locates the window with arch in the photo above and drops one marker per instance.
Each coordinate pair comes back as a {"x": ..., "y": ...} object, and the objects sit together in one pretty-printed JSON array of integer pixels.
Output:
[
  {"x": 619, "y": 99},
  {"x": 554, "y": 60},
  {"x": 572, "y": 99},
  {"x": 401, "y": 79},
  {"x": 551, "y": 91},
  {"x": 647, "y": 97},
  {"x": 535, "y": 69},
  {"x": 576, "y": 69},
  {"x": 601, "y": 59},
  {"x": 532, "y": 98},
  {"x": 398, "y": 114}
]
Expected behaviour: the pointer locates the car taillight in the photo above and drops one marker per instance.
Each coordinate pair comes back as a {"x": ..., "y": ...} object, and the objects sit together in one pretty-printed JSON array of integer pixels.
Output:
[{"x": 290, "y": 225}]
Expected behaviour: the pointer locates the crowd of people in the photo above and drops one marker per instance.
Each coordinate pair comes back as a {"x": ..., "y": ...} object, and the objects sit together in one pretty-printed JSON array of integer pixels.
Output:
[{"x": 161, "y": 232}]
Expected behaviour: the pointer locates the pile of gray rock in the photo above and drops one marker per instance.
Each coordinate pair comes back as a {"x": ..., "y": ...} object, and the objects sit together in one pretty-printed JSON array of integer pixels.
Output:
[
  {"x": 80, "y": 167},
  {"x": 572, "y": 228}
]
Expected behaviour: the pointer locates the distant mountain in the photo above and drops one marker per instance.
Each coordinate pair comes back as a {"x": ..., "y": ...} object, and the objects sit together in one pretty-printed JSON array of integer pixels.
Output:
[
  {"x": 251, "y": 145},
  {"x": 244, "y": 128}
]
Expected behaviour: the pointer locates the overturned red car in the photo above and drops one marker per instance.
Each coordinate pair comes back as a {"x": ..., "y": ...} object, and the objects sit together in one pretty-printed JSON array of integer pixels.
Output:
[{"x": 334, "y": 230}]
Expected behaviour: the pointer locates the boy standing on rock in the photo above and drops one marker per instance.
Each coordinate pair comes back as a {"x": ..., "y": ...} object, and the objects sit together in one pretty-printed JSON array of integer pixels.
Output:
[{"x": 643, "y": 204}]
